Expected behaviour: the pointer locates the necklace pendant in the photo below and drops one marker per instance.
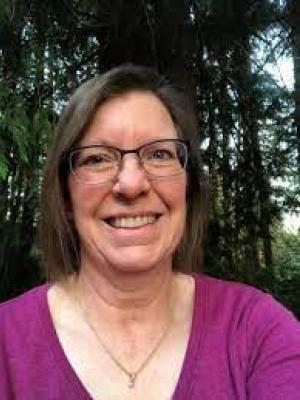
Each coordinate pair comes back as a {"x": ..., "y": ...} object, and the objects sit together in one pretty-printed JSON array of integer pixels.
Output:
[{"x": 132, "y": 378}]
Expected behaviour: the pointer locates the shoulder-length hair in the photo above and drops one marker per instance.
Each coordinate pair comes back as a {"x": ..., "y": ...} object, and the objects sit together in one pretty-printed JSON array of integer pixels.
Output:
[{"x": 58, "y": 238}]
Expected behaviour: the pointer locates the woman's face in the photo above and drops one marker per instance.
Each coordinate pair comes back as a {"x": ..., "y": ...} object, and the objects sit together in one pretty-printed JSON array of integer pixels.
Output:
[{"x": 98, "y": 210}]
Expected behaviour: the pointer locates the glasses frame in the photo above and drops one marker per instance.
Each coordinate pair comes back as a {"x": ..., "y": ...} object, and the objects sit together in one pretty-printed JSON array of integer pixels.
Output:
[{"x": 122, "y": 153}]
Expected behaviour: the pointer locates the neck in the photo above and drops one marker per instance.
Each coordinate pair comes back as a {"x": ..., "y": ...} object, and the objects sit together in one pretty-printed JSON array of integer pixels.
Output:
[{"x": 125, "y": 299}]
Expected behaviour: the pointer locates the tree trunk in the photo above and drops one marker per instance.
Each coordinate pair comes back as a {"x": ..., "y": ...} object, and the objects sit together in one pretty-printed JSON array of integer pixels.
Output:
[{"x": 295, "y": 26}]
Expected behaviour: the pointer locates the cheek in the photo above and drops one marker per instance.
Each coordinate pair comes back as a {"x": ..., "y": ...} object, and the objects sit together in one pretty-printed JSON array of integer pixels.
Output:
[
  {"x": 173, "y": 193},
  {"x": 85, "y": 199},
  {"x": 179, "y": 204},
  {"x": 77, "y": 204}
]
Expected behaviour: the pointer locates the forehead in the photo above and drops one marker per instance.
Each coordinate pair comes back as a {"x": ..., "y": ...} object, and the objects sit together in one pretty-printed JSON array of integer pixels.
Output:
[{"x": 133, "y": 118}]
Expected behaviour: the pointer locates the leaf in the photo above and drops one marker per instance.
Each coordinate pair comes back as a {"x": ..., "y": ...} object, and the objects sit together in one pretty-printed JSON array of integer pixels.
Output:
[
  {"x": 17, "y": 124},
  {"x": 3, "y": 167}
]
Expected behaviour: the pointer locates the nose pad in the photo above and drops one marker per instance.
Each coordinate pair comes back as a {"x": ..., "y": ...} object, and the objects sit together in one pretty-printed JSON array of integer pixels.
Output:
[{"x": 131, "y": 180}]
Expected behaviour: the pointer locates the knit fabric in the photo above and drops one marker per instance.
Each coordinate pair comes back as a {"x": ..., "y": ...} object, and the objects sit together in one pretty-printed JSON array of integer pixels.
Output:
[{"x": 243, "y": 345}]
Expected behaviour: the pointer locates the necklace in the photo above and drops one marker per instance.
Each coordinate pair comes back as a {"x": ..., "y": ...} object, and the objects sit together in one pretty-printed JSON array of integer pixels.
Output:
[{"x": 132, "y": 375}]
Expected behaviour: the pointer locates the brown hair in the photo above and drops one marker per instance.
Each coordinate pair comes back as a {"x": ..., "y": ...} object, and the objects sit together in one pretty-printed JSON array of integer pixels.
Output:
[{"x": 58, "y": 238}]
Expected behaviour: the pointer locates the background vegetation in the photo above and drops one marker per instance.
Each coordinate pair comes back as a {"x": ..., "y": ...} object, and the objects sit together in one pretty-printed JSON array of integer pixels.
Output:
[{"x": 249, "y": 123}]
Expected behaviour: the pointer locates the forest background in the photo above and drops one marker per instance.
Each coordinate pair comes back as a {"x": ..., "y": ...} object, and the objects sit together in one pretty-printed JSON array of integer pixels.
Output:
[{"x": 249, "y": 122}]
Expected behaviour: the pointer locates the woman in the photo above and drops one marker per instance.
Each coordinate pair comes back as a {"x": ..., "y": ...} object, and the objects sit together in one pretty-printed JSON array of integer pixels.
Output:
[{"x": 123, "y": 210}]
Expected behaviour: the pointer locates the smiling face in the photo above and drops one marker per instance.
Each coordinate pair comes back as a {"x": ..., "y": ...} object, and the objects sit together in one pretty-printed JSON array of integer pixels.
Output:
[{"x": 134, "y": 222}]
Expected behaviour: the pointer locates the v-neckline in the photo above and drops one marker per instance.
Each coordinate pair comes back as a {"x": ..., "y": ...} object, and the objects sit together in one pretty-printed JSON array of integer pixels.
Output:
[{"x": 184, "y": 386}]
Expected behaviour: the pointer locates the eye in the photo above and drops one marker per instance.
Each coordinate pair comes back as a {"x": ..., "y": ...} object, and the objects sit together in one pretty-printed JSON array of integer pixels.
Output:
[
  {"x": 93, "y": 160},
  {"x": 161, "y": 154}
]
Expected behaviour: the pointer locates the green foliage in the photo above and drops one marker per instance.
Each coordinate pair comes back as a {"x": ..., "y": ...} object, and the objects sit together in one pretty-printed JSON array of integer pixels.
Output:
[
  {"x": 18, "y": 262},
  {"x": 287, "y": 256},
  {"x": 283, "y": 282},
  {"x": 287, "y": 269},
  {"x": 17, "y": 125},
  {"x": 3, "y": 165}
]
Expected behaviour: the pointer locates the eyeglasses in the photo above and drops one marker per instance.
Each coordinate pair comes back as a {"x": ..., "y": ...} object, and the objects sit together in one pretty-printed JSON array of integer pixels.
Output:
[{"x": 98, "y": 163}]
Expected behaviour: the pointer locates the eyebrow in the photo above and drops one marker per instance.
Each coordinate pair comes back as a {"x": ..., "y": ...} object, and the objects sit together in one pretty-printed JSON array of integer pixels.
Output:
[{"x": 103, "y": 142}]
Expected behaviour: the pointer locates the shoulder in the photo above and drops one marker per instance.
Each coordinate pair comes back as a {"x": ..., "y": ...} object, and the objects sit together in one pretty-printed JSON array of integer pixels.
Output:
[
  {"x": 241, "y": 306},
  {"x": 221, "y": 295},
  {"x": 24, "y": 300},
  {"x": 226, "y": 287},
  {"x": 248, "y": 317},
  {"x": 261, "y": 337},
  {"x": 21, "y": 312}
]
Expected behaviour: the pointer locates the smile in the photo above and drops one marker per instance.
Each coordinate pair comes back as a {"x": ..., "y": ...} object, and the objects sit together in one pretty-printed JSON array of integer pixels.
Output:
[{"x": 132, "y": 222}]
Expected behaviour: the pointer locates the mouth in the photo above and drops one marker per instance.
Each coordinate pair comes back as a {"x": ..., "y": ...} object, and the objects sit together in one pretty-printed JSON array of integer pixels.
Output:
[{"x": 132, "y": 222}]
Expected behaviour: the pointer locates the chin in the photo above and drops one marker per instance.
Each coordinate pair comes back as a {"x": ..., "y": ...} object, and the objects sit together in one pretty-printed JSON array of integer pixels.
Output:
[{"x": 134, "y": 260}]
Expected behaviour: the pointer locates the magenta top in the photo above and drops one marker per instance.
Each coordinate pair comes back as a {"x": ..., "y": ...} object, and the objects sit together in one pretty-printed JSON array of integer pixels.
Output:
[{"x": 243, "y": 345}]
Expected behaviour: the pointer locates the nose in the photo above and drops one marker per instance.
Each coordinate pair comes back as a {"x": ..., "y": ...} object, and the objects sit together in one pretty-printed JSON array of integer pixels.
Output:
[{"x": 131, "y": 181}]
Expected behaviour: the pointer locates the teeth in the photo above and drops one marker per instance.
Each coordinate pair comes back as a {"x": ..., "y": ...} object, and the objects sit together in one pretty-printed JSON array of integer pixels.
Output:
[{"x": 132, "y": 222}]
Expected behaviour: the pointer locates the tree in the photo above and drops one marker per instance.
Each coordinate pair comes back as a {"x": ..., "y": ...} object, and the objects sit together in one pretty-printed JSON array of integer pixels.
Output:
[{"x": 293, "y": 10}]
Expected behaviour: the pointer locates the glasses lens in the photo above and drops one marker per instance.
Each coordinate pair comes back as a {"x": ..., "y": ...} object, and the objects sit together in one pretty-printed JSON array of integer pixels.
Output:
[
  {"x": 94, "y": 164},
  {"x": 164, "y": 158}
]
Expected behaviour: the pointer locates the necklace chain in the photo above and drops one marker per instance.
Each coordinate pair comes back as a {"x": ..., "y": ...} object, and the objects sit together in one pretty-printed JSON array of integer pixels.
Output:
[{"x": 132, "y": 375}]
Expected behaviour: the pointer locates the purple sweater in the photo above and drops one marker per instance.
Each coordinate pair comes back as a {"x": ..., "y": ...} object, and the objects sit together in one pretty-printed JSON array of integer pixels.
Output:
[{"x": 243, "y": 345}]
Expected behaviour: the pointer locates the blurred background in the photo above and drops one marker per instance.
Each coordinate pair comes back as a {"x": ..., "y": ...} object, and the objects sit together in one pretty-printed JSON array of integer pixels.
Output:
[{"x": 239, "y": 61}]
